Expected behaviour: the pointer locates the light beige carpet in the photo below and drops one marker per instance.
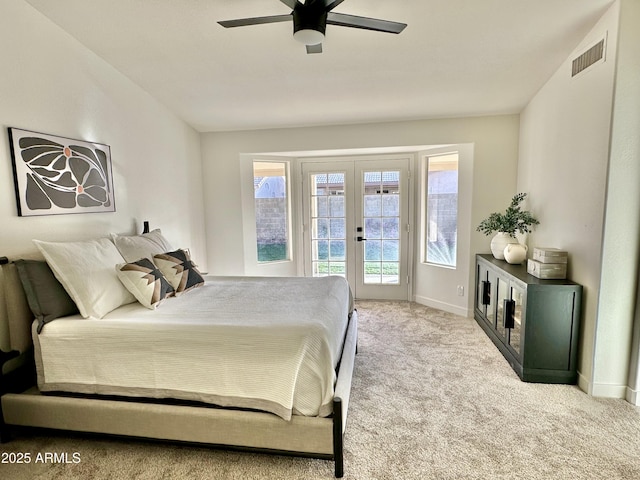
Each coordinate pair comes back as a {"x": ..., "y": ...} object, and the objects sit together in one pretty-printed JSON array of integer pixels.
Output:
[{"x": 432, "y": 399}]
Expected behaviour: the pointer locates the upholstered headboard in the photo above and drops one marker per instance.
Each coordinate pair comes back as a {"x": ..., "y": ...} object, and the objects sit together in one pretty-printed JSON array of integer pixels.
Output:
[{"x": 15, "y": 315}]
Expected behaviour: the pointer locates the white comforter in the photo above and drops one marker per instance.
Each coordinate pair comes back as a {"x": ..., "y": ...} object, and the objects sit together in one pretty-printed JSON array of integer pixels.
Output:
[{"x": 265, "y": 343}]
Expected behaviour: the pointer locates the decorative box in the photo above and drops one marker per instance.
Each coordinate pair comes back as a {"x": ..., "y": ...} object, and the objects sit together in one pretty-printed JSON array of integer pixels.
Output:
[
  {"x": 547, "y": 270},
  {"x": 549, "y": 255}
]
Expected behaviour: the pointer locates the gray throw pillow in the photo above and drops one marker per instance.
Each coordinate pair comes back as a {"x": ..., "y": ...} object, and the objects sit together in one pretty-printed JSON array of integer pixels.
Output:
[{"x": 46, "y": 296}]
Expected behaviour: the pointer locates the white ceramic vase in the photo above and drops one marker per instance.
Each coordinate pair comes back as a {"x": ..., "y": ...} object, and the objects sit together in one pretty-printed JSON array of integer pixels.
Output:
[
  {"x": 499, "y": 242},
  {"x": 515, "y": 253}
]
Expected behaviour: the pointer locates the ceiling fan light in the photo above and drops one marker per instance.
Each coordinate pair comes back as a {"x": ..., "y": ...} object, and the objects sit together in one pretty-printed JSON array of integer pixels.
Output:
[{"x": 309, "y": 36}]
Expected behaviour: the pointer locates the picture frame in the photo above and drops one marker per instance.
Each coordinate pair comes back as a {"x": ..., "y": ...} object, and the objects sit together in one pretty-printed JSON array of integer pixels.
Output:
[{"x": 56, "y": 175}]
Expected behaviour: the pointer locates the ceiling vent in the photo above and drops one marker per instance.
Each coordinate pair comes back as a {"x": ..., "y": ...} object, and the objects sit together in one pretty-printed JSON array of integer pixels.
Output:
[{"x": 592, "y": 56}]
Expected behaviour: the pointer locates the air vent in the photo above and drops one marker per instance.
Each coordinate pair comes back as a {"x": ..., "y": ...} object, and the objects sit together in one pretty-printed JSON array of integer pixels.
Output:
[{"x": 588, "y": 58}]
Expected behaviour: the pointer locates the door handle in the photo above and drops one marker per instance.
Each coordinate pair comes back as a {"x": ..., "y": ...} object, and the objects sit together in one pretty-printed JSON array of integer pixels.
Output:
[
  {"x": 486, "y": 292},
  {"x": 360, "y": 239},
  {"x": 509, "y": 307}
]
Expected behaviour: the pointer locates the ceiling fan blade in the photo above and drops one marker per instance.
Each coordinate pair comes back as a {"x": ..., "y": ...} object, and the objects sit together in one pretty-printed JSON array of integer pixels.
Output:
[
  {"x": 331, "y": 4},
  {"x": 241, "y": 22},
  {"x": 290, "y": 3},
  {"x": 365, "y": 23},
  {"x": 314, "y": 48}
]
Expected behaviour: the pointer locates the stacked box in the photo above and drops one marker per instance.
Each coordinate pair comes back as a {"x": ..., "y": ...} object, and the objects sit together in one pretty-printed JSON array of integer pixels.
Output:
[
  {"x": 549, "y": 255},
  {"x": 548, "y": 263}
]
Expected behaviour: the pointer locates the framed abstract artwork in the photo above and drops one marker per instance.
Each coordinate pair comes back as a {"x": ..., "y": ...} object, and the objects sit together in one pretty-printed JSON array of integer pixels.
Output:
[{"x": 56, "y": 175}]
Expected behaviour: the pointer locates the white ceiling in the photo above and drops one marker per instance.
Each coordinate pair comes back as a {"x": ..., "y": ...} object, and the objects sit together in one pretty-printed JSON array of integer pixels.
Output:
[{"x": 455, "y": 58}]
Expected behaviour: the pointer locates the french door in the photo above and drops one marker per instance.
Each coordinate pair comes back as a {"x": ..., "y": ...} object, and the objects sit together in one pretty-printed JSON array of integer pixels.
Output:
[{"x": 356, "y": 224}]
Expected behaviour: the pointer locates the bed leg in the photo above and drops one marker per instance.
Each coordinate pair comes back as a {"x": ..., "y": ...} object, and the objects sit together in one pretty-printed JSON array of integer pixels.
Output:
[{"x": 338, "y": 438}]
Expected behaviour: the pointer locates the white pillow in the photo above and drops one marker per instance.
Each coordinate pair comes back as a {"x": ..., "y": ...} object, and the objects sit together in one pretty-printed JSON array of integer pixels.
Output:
[
  {"x": 134, "y": 247},
  {"x": 86, "y": 271}
]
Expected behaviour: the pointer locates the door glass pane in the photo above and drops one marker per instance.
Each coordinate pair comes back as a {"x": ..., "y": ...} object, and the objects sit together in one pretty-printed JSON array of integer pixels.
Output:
[
  {"x": 336, "y": 205},
  {"x": 272, "y": 210},
  {"x": 321, "y": 249},
  {"x": 372, "y": 205},
  {"x": 319, "y": 206},
  {"x": 390, "y": 272},
  {"x": 390, "y": 250},
  {"x": 491, "y": 308},
  {"x": 516, "y": 332},
  {"x": 372, "y": 228},
  {"x": 337, "y": 249},
  {"x": 328, "y": 224},
  {"x": 339, "y": 268},
  {"x": 372, "y": 250},
  {"x": 381, "y": 215},
  {"x": 373, "y": 272},
  {"x": 320, "y": 228},
  {"x": 503, "y": 294},
  {"x": 391, "y": 228},
  {"x": 391, "y": 205},
  {"x": 337, "y": 228}
]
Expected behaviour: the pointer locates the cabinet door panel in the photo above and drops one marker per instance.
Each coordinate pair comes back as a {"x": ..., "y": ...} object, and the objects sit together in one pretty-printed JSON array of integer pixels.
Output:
[
  {"x": 485, "y": 287},
  {"x": 551, "y": 335},
  {"x": 482, "y": 279}
]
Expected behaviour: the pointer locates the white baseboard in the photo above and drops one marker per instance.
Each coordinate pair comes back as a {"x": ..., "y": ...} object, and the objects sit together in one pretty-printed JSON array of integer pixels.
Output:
[
  {"x": 608, "y": 391},
  {"x": 604, "y": 390},
  {"x": 446, "y": 307},
  {"x": 584, "y": 384},
  {"x": 633, "y": 397}
]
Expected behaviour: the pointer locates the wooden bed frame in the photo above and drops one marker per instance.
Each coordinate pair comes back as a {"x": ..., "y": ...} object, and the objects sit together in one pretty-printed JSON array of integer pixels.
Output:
[{"x": 22, "y": 404}]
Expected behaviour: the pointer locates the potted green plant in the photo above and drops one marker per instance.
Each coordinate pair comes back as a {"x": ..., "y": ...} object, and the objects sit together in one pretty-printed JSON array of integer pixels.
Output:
[{"x": 506, "y": 224}]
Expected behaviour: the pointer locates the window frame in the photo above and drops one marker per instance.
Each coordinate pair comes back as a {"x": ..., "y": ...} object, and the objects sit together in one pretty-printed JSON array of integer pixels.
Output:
[
  {"x": 288, "y": 267},
  {"x": 288, "y": 212},
  {"x": 424, "y": 209}
]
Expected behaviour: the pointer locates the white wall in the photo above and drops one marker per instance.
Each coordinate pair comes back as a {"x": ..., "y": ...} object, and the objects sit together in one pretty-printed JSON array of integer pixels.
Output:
[
  {"x": 564, "y": 151},
  {"x": 52, "y": 84},
  {"x": 492, "y": 181},
  {"x": 621, "y": 245}
]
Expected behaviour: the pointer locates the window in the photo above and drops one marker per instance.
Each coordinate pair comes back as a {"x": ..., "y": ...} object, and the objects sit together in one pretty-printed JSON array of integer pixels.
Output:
[
  {"x": 441, "y": 220},
  {"x": 271, "y": 195}
]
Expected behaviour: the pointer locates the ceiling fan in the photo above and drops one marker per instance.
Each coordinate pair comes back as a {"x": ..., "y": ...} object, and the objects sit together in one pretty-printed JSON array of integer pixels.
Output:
[{"x": 310, "y": 20}]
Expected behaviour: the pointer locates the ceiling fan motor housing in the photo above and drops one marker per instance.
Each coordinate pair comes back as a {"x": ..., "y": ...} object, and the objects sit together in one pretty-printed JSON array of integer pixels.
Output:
[
  {"x": 310, "y": 17},
  {"x": 310, "y": 21}
]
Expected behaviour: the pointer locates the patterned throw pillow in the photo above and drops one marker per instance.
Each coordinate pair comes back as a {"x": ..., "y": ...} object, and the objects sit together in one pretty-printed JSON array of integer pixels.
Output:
[
  {"x": 179, "y": 270},
  {"x": 145, "y": 282}
]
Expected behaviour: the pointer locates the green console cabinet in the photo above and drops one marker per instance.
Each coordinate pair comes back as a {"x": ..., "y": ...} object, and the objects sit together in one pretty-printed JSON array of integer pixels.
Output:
[{"x": 534, "y": 323}]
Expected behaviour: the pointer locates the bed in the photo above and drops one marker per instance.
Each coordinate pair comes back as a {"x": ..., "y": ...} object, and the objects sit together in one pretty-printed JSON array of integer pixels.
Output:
[{"x": 238, "y": 362}]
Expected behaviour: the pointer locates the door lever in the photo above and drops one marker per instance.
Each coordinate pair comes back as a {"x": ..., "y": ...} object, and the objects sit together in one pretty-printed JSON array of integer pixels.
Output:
[{"x": 360, "y": 239}]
